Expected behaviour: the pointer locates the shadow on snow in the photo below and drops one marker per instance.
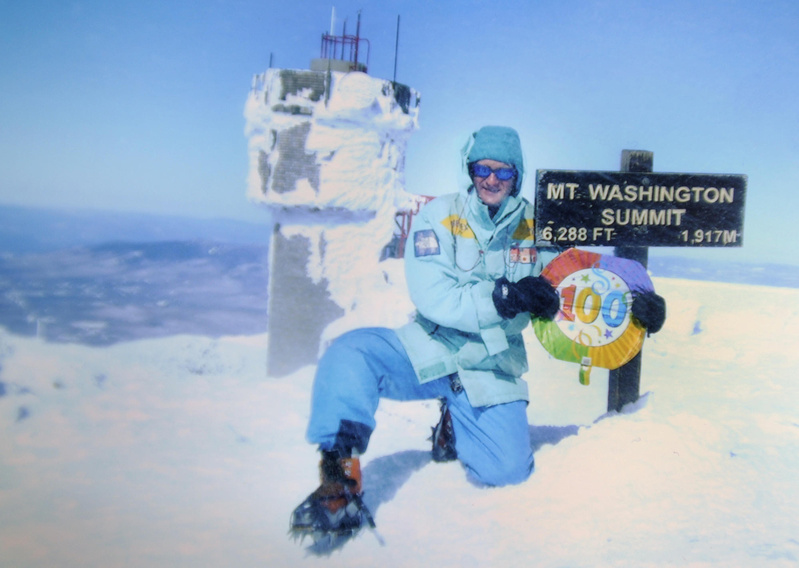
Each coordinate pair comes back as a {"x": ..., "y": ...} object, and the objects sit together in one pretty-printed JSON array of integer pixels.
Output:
[{"x": 384, "y": 476}]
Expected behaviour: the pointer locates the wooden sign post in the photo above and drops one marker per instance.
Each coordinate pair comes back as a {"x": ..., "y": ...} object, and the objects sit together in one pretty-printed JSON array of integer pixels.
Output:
[
  {"x": 624, "y": 383},
  {"x": 631, "y": 210}
]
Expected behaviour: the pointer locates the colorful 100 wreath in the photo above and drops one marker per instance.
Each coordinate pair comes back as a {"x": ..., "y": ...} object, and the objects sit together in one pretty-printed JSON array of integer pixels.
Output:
[{"x": 594, "y": 326}]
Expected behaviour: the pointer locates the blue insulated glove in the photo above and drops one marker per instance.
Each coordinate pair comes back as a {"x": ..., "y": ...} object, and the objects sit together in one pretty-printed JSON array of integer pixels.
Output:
[
  {"x": 650, "y": 309},
  {"x": 531, "y": 294}
]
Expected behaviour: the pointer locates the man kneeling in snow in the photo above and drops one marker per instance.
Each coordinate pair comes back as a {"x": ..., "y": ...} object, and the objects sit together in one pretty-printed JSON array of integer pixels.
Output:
[{"x": 473, "y": 272}]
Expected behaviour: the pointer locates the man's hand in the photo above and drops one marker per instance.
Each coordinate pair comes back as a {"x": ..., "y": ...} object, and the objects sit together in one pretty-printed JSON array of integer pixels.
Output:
[
  {"x": 531, "y": 294},
  {"x": 650, "y": 309}
]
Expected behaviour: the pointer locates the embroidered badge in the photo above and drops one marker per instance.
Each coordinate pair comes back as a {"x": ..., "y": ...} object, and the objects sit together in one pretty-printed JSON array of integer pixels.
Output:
[
  {"x": 425, "y": 243},
  {"x": 525, "y": 230},
  {"x": 458, "y": 226},
  {"x": 523, "y": 255}
]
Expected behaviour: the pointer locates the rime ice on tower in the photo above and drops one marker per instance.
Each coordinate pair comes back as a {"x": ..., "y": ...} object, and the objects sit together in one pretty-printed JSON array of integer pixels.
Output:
[{"x": 326, "y": 152}]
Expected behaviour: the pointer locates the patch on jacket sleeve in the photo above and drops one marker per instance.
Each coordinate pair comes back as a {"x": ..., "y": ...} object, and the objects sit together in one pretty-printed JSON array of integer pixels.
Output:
[{"x": 425, "y": 243}]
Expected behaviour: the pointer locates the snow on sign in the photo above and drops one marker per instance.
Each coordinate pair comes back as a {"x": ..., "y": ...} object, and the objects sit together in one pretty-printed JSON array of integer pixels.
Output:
[
  {"x": 639, "y": 209},
  {"x": 594, "y": 326}
]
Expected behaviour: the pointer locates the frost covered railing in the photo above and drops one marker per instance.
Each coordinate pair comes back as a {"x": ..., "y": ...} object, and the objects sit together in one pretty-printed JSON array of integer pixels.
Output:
[{"x": 346, "y": 47}]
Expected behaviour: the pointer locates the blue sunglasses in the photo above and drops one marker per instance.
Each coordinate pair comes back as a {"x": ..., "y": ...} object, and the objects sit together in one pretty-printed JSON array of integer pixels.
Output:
[{"x": 483, "y": 171}]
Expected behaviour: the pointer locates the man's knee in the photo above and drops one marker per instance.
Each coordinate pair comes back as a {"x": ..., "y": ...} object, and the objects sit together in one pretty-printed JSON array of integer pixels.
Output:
[{"x": 511, "y": 470}]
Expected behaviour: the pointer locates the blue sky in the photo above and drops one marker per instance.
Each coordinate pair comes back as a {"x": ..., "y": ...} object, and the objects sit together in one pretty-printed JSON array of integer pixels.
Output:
[{"x": 137, "y": 105}]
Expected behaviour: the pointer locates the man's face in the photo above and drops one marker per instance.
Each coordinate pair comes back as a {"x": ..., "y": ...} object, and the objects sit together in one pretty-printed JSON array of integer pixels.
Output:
[{"x": 491, "y": 190}]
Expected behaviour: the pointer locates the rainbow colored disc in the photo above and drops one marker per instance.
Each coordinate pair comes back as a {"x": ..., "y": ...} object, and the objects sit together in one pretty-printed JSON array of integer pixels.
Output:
[{"x": 594, "y": 326}]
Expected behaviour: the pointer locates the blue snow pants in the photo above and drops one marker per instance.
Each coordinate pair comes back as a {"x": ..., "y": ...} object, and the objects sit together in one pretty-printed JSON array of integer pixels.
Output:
[{"x": 364, "y": 365}]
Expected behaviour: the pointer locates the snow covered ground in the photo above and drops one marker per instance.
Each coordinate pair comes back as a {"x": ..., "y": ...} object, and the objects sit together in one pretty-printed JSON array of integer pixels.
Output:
[{"x": 179, "y": 451}]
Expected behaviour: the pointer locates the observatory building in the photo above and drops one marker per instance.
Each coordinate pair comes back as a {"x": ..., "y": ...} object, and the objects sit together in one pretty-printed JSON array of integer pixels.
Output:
[{"x": 326, "y": 157}]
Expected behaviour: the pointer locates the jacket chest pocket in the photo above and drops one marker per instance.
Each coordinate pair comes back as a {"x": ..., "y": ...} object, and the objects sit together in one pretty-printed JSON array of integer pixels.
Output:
[
  {"x": 468, "y": 256},
  {"x": 478, "y": 263},
  {"x": 495, "y": 264}
]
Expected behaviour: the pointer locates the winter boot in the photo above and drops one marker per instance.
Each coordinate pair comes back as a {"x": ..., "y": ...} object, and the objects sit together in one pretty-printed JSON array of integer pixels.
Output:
[
  {"x": 335, "y": 510},
  {"x": 443, "y": 437}
]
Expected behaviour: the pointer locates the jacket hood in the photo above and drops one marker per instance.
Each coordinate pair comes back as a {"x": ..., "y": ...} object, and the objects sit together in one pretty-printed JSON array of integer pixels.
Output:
[{"x": 499, "y": 143}]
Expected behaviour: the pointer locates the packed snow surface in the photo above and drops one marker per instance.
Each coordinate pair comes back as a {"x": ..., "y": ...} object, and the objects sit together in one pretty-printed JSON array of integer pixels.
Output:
[{"x": 179, "y": 451}]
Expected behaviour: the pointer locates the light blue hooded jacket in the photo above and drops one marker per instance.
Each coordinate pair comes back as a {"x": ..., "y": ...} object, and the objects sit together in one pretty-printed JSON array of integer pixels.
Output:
[{"x": 454, "y": 254}]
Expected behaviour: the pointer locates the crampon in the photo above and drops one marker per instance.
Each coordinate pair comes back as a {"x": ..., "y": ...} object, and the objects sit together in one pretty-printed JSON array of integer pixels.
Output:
[
  {"x": 335, "y": 512},
  {"x": 443, "y": 437}
]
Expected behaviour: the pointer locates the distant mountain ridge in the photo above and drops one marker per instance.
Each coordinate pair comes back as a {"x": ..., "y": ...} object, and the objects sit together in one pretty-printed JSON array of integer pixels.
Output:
[
  {"x": 25, "y": 230},
  {"x": 761, "y": 274},
  {"x": 100, "y": 295},
  {"x": 35, "y": 230}
]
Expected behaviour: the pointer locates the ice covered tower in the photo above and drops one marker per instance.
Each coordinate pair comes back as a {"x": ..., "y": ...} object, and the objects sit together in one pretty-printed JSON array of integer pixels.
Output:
[{"x": 326, "y": 150}]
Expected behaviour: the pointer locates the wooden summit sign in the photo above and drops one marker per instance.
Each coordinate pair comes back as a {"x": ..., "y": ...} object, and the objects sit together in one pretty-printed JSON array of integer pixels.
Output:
[
  {"x": 631, "y": 210},
  {"x": 639, "y": 209}
]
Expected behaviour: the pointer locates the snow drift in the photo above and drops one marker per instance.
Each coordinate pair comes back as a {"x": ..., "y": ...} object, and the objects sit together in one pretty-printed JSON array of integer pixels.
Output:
[{"x": 180, "y": 452}]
